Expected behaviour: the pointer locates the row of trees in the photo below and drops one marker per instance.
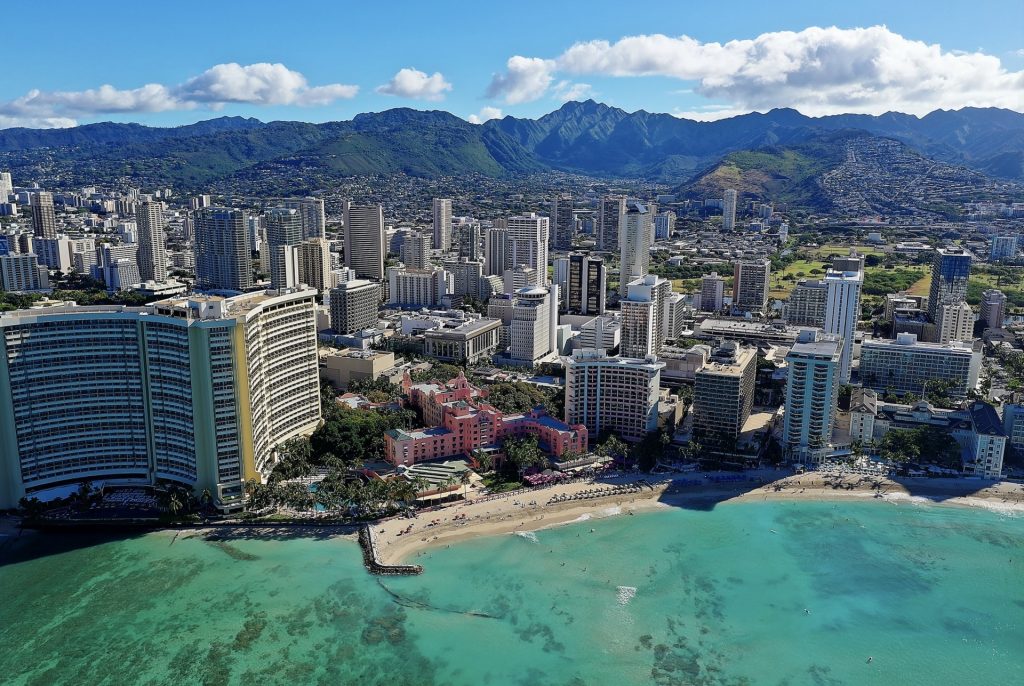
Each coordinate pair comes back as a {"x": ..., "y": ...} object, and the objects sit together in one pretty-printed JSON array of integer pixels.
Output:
[
  {"x": 910, "y": 445},
  {"x": 512, "y": 397},
  {"x": 337, "y": 493},
  {"x": 353, "y": 437}
]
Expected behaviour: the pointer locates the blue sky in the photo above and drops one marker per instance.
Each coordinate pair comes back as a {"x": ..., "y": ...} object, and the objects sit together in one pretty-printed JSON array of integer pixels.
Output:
[{"x": 336, "y": 59}]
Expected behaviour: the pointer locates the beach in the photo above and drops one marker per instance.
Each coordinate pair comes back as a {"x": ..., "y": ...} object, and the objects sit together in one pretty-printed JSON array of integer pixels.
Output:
[{"x": 400, "y": 540}]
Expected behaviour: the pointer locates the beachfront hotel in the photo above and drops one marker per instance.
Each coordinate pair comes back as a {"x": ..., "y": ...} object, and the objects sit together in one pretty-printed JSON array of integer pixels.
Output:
[
  {"x": 723, "y": 395},
  {"x": 196, "y": 390},
  {"x": 460, "y": 421},
  {"x": 812, "y": 389},
  {"x": 906, "y": 365},
  {"x": 617, "y": 394}
]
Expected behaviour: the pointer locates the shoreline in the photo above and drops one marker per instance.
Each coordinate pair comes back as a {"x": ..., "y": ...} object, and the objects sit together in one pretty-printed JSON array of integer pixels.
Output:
[
  {"x": 532, "y": 510},
  {"x": 521, "y": 515}
]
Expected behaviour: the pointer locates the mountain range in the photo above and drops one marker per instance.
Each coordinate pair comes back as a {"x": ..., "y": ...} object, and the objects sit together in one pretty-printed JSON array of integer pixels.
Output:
[{"x": 580, "y": 137}]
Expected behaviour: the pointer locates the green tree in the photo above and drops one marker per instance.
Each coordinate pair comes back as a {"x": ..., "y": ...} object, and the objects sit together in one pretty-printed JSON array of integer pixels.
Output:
[
  {"x": 613, "y": 447},
  {"x": 900, "y": 446},
  {"x": 522, "y": 454},
  {"x": 484, "y": 459}
]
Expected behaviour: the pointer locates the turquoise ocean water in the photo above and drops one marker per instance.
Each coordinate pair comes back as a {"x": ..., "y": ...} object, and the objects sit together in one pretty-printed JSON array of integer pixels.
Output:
[{"x": 934, "y": 595}]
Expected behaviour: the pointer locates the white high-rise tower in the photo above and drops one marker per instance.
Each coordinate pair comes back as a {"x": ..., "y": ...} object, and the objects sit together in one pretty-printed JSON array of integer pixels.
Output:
[
  {"x": 442, "y": 223},
  {"x": 151, "y": 256},
  {"x": 842, "y": 307},
  {"x": 635, "y": 244},
  {"x": 528, "y": 239},
  {"x": 729, "y": 210}
]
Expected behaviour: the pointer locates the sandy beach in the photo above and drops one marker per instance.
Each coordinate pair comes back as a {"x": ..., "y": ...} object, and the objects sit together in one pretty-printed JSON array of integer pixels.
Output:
[{"x": 401, "y": 539}]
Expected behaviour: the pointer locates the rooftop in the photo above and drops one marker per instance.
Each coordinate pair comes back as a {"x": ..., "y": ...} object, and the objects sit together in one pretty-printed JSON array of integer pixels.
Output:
[{"x": 985, "y": 419}]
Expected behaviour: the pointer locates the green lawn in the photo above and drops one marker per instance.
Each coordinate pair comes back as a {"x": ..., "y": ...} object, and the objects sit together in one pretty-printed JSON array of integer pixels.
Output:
[
  {"x": 835, "y": 249},
  {"x": 923, "y": 285},
  {"x": 783, "y": 282}
]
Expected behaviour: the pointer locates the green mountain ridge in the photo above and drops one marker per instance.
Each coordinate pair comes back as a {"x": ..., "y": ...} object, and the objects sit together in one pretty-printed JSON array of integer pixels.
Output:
[
  {"x": 848, "y": 172},
  {"x": 588, "y": 138}
]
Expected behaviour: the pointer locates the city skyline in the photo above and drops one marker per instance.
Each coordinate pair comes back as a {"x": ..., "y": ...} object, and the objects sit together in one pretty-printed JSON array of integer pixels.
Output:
[{"x": 871, "y": 58}]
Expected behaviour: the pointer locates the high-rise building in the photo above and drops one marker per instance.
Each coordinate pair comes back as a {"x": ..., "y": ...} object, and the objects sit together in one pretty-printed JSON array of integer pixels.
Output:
[
  {"x": 955, "y": 323},
  {"x": 723, "y": 396},
  {"x": 842, "y": 309},
  {"x": 442, "y": 224},
  {"x": 415, "y": 252},
  {"x": 6, "y": 186},
  {"x": 468, "y": 279},
  {"x": 562, "y": 222},
  {"x": 635, "y": 239},
  {"x": 951, "y": 268},
  {"x": 55, "y": 253},
  {"x": 603, "y": 331},
  {"x": 467, "y": 235},
  {"x": 1003, "y": 248},
  {"x": 223, "y": 252},
  {"x": 609, "y": 217},
  {"x": 612, "y": 394},
  {"x": 353, "y": 305},
  {"x": 198, "y": 391},
  {"x": 993, "y": 308},
  {"x": 560, "y": 277},
  {"x": 365, "y": 245},
  {"x": 314, "y": 219},
  {"x": 534, "y": 323},
  {"x": 418, "y": 288},
  {"x": 907, "y": 365},
  {"x": 44, "y": 219},
  {"x": 807, "y": 303},
  {"x": 151, "y": 256},
  {"x": 674, "y": 317},
  {"x": 116, "y": 266},
  {"x": 729, "y": 210},
  {"x": 812, "y": 389},
  {"x": 497, "y": 252},
  {"x": 584, "y": 285},
  {"x": 284, "y": 233},
  {"x": 664, "y": 225},
  {"x": 528, "y": 238},
  {"x": 314, "y": 257},
  {"x": 643, "y": 316},
  {"x": 751, "y": 281},
  {"x": 519, "y": 277},
  {"x": 22, "y": 272},
  {"x": 712, "y": 292}
]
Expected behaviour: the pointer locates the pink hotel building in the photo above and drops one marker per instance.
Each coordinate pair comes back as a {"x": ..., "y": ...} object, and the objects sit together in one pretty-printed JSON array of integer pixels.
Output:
[{"x": 461, "y": 421}]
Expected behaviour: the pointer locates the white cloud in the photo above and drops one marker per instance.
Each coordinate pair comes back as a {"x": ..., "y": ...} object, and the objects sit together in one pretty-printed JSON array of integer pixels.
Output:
[
  {"x": 567, "y": 90},
  {"x": 816, "y": 70},
  {"x": 256, "y": 84},
  {"x": 412, "y": 83},
  {"x": 259, "y": 84},
  {"x": 486, "y": 114},
  {"x": 526, "y": 79},
  {"x": 710, "y": 112}
]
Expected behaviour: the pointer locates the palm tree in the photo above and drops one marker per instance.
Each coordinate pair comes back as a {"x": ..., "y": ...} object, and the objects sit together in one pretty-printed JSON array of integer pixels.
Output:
[
  {"x": 174, "y": 504},
  {"x": 206, "y": 499},
  {"x": 403, "y": 490},
  {"x": 465, "y": 477}
]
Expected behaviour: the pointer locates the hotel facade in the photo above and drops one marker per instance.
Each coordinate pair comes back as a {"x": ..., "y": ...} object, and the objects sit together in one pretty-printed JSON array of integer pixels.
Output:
[{"x": 194, "y": 390}]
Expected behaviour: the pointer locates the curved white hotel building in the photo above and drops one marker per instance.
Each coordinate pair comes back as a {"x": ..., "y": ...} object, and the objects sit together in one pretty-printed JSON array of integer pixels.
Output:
[{"x": 197, "y": 390}]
